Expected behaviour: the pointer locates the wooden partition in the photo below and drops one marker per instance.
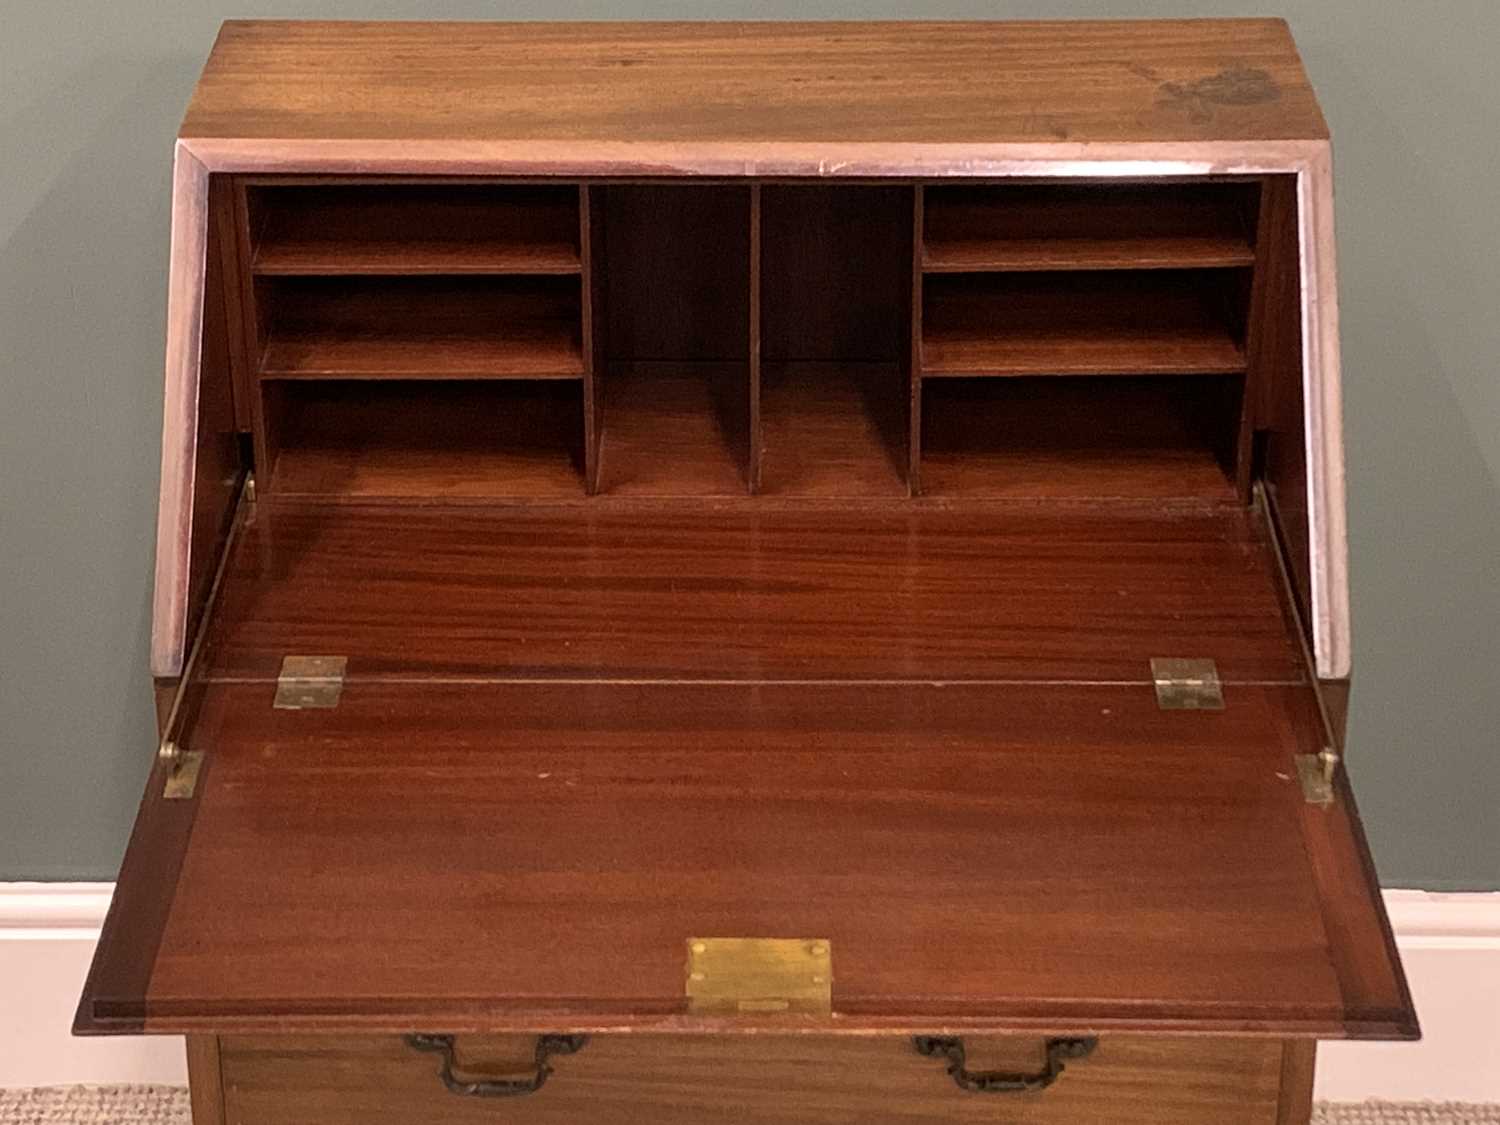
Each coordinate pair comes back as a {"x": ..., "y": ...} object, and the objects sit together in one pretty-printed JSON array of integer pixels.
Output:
[{"x": 675, "y": 268}]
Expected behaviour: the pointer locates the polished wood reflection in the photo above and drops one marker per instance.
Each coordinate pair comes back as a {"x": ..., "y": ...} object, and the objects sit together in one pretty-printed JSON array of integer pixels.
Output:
[
  {"x": 464, "y": 855},
  {"x": 746, "y": 590}
]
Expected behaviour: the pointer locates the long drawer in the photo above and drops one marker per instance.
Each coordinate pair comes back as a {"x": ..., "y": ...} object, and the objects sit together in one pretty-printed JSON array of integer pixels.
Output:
[{"x": 762, "y": 1079}]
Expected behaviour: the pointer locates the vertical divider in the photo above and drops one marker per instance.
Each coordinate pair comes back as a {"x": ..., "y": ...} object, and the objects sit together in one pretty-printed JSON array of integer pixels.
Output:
[
  {"x": 269, "y": 407},
  {"x": 914, "y": 350},
  {"x": 1272, "y": 277},
  {"x": 234, "y": 245},
  {"x": 591, "y": 298},
  {"x": 1249, "y": 389},
  {"x": 755, "y": 437},
  {"x": 267, "y": 416},
  {"x": 267, "y": 404}
]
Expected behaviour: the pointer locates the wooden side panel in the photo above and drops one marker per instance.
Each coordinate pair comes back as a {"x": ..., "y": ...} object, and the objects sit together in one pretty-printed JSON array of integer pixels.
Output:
[
  {"x": 755, "y": 442},
  {"x": 914, "y": 344},
  {"x": 200, "y": 446},
  {"x": 591, "y": 248},
  {"x": 163, "y": 692},
  {"x": 205, "y": 1080},
  {"x": 174, "y": 520},
  {"x": 114, "y": 995},
  {"x": 1323, "y": 417},
  {"x": 1335, "y": 695},
  {"x": 1299, "y": 1059},
  {"x": 1275, "y": 382},
  {"x": 1297, "y": 402},
  {"x": 786, "y": 1080},
  {"x": 235, "y": 255},
  {"x": 217, "y": 471},
  {"x": 1371, "y": 976}
]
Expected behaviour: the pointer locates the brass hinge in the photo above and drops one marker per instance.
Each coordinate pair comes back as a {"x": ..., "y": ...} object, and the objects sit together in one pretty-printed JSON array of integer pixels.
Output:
[
  {"x": 183, "y": 767},
  {"x": 760, "y": 976},
  {"x": 308, "y": 682},
  {"x": 1316, "y": 772},
  {"x": 1187, "y": 685}
]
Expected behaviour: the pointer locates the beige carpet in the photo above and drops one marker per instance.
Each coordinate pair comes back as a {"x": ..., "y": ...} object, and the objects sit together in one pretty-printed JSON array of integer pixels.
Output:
[
  {"x": 1407, "y": 1113},
  {"x": 168, "y": 1105},
  {"x": 96, "y": 1105}
]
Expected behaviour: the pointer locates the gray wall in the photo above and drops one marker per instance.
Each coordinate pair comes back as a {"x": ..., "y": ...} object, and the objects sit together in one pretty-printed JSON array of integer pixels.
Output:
[{"x": 90, "y": 96}]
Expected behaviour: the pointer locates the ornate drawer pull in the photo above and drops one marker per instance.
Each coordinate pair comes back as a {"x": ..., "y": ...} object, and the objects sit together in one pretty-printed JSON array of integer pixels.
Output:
[
  {"x": 997, "y": 1081},
  {"x": 546, "y": 1047}
]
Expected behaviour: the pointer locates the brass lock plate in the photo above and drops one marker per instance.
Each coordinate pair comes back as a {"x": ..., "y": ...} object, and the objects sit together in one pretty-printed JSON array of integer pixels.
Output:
[{"x": 760, "y": 976}]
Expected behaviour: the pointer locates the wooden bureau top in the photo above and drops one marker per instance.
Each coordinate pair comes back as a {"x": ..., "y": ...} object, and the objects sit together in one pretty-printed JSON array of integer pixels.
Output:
[{"x": 693, "y": 84}]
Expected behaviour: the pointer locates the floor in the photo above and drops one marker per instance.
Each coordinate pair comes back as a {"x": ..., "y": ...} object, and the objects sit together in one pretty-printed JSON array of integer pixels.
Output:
[{"x": 168, "y": 1105}]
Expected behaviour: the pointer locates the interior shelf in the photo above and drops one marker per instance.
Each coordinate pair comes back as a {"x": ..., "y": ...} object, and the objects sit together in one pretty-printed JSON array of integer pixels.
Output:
[
  {"x": 421, "y": 328},
  {"x": 833, "y": 429},
  {"x": 1080, "y": 439},
  {"x": 460, "y": 440},
  {"x": 1176, "y": 322},
  {"x": 675, "y": 429},
  {"x": 407, "y": 229},
  {"x": 722, "y": 340},
  {"x": 1093, "y": 227}
]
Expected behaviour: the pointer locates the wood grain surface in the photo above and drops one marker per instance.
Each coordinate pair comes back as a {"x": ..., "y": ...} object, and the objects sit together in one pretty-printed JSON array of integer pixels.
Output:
[
  {"x": 471, "y": 439},
  {"x": 422, "y": 328},
  {"x": 1158, "y": 322},
  {"x": 206, "y": 1079},
  {"x": 452, "y": 856},
  {"x": 1299, "y": 1059},
  {"x": 934, "y": 83},
  {"x": 403, "y": 229},
  {"x": 750, "y": 590},
  {"x": 674, "y": 430},
  {"x": 1063, "y": 227},
  {"x": 199, "y": 455},
  {"x": 834, "y": 429},
  {"x": 1279, "y": 402},
  {"x": 1164, "y": 439},
  {"x": 764, "y": 1080}
]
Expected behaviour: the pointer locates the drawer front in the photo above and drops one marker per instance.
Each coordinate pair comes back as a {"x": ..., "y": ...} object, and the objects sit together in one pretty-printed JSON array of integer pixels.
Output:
[{"x": 676, "y": 1080}]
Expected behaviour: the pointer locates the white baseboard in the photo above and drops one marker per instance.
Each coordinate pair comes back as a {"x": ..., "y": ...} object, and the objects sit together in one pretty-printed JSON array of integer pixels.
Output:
[
  {"x": 47, "y": 936},
  {"x": 1450, "y": 944}
]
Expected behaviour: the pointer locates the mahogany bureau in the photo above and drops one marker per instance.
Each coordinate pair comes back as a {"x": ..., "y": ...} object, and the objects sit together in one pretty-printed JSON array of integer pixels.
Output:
[{"x": 751, "y": 573}]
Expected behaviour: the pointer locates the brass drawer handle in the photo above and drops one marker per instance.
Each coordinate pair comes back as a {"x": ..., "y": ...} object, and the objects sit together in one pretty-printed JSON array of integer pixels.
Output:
[
  {"x": 998, "y": 1081},
  {"x": 546, "y": 1047}
]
